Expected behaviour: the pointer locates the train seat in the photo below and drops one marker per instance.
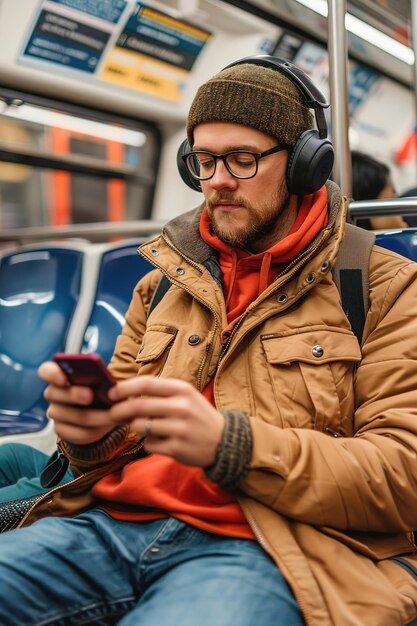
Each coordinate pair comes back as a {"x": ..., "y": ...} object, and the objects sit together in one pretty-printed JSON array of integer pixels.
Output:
[
  {"x": 401, "y": 241},
  {"x": 65, "y": 297},
  {"x": 120, "y": 267},
  {"x": 39, "y": 290}
]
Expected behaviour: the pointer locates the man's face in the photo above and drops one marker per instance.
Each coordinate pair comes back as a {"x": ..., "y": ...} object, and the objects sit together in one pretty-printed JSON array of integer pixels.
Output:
[{"x": 251, "y": 213}]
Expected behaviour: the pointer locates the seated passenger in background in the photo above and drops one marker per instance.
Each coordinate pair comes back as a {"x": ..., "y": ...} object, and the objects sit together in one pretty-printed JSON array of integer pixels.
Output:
[
  {"x": 410, "y": 193},
  {"x": 371, "y": 180}
]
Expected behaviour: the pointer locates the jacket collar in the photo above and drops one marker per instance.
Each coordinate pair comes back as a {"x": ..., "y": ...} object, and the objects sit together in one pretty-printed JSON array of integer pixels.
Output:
[{"x": 183, "y": 231}]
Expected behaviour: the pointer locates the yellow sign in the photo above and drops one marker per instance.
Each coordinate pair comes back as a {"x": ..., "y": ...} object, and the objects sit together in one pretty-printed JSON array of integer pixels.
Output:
[
  {"x": 136, "y": 71},
  {"x": 154, "y": 53}
]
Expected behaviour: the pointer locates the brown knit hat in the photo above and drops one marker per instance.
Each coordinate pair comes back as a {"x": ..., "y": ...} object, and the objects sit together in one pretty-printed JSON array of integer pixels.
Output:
[{"x": 254, "y": 96}]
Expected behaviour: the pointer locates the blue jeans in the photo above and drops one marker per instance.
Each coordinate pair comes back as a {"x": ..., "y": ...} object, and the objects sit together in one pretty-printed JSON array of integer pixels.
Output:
[
  {"x": 20, "y": 467},
  {"x": 96, "y": 570}
]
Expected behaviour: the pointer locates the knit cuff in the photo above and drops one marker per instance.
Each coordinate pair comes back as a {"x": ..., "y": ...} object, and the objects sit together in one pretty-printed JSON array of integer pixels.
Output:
[
  {"x": 234, "y": 452},
  {"x": 100, "y": 451}
]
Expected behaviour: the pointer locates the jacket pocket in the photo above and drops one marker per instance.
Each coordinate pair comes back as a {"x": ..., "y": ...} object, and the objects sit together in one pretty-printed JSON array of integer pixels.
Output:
[
  {"x": 312, "y": 376},
  {"x": 154, "y": 350}
]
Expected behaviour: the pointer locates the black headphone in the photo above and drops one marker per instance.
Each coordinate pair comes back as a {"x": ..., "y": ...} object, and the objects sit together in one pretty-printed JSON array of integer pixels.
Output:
[{"x": 311, "y": 159}]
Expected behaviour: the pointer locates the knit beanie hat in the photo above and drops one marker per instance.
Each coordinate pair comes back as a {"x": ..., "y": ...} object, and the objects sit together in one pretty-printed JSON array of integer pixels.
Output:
[{"x": 254, "y": 96}]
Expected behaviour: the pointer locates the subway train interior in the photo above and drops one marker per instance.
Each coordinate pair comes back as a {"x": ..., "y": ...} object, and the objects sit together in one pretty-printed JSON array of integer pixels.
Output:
[
  {"x": 94, "y": 98},
  {"x": 93, "y": 103}
]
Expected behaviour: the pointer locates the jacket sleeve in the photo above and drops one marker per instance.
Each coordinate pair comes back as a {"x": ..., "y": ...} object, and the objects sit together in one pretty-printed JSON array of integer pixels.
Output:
[
  {"x": 123, "y": 366},
  {"x": 367, "y": 482}
]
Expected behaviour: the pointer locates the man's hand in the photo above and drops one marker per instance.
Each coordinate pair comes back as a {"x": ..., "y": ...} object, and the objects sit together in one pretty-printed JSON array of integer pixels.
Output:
[
  {"x": 177, "y": 419},
  {"x": 68, "y": 407},
  {"x": 180, "y": 421}
]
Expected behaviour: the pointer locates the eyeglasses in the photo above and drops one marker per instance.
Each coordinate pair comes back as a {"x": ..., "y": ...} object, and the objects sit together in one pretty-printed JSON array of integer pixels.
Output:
[{"x": 201, "y": 164}]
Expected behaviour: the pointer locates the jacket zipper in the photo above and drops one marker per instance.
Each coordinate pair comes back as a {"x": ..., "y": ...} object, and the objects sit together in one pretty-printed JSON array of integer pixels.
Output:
[{"x": 46, "y": 495}]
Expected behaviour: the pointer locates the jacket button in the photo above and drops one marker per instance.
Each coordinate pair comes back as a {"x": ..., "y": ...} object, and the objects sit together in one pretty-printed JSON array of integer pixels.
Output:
[
  {"x": 317, "y": 351},
  {"x": 193, "y": 340},
  {"x": 179, "y": 271}
]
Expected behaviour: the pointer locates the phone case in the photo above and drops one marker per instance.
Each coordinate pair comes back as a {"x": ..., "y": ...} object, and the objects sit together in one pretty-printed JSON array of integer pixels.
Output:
[{"x": 88, "y": 370}]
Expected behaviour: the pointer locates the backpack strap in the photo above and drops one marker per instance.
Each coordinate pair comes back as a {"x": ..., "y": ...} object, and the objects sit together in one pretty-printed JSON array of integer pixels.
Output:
[
  {"x": 162, "y": 287},
  {"x": 351, "y": 275}
]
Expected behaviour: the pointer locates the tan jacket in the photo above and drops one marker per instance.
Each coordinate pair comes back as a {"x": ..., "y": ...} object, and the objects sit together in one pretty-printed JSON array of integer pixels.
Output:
[{"x": 331, "y": 492}]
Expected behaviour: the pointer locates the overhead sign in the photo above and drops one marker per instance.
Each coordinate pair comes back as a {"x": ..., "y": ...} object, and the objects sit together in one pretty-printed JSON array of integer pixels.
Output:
[
  {"x": 73, "y": 33},
  {"x": 154, "y": 53},
  {"x": 124, "y": 42},
  {"x": 108, "y": 10}
]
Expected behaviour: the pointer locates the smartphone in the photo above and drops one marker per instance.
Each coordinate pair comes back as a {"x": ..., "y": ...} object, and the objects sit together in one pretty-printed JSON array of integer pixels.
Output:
[{"x": 88, "y": 370}]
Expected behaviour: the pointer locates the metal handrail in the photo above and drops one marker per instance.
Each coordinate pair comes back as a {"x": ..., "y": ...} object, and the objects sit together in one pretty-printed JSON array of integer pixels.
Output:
[
  {"x": 338, "y": 81},
  {"x": 146, "y": 228},
  {"x": 380, "y": 208},
  {"x": 96, "y": 230}
]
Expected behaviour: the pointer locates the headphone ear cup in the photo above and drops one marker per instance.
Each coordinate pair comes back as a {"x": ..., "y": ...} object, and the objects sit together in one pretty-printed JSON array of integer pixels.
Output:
[
  {"x": 309, "y": 164},
  {"x": 191, "y": 182}
]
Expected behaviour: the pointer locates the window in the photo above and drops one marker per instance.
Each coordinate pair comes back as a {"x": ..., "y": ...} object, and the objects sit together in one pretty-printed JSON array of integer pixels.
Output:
[{"x": 62, "y": 164}]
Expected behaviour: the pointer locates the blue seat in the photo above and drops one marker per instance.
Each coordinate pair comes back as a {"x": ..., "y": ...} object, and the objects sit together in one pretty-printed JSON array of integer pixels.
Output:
[
  {"x": 401, "y": 241},
  {"x": 120, "y": 268},
  {"x": 39, "y": 289}
]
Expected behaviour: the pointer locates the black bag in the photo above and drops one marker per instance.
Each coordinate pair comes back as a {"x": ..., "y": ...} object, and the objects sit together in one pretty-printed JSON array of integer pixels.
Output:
[{"x": 12, "y": 512}]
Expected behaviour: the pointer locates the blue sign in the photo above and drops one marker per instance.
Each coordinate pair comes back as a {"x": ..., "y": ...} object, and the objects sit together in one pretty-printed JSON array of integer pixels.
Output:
[
  {"x": 59, "y": 39},
  {"x": 155, "y": 34},
  {"x": 361, "y": 80},
  {"x": 108, "y": 10}
]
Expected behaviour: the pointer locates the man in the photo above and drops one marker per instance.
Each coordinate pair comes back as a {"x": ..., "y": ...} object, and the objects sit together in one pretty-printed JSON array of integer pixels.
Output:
[{"x": 278, "y": 485}]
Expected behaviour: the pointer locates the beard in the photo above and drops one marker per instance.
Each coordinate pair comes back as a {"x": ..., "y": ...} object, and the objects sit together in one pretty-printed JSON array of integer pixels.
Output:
[{"x": 263, "y": 218}]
